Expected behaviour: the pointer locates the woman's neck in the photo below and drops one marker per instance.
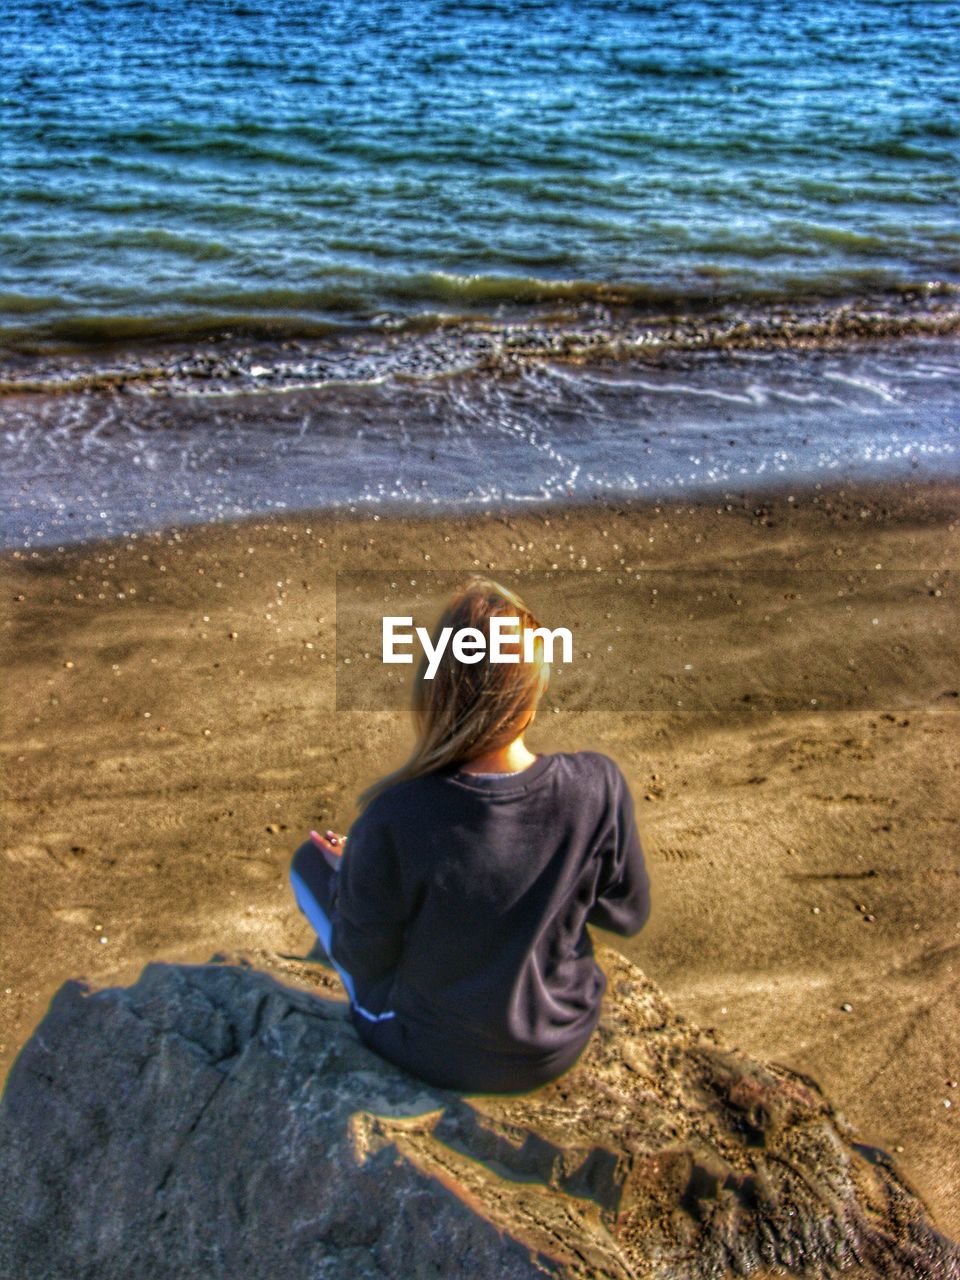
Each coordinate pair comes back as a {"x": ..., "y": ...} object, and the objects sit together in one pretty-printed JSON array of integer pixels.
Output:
[{"x": 512, "y": 758}]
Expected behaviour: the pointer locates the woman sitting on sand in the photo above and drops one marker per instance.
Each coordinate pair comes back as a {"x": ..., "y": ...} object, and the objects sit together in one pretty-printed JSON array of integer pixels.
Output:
[{"x": 456, "y": 915}]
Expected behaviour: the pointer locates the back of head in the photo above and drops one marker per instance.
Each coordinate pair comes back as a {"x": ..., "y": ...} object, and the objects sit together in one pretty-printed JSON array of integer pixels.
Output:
[{"x": 471, "y": 708}]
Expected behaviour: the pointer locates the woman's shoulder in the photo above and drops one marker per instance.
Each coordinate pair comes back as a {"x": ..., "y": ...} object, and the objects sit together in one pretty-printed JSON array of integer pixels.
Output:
[
  {"x": 592, "y": 771},
  {"x": 594, "y": 765}
]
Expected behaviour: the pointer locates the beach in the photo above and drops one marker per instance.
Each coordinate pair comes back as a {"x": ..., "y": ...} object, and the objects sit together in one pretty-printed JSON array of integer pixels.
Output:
[
  {"x": 651, "y": 313},
  {"x": 171, "y": 733}
]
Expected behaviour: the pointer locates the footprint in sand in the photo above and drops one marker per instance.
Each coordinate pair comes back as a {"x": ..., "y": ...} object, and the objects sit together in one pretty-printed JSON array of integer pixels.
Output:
[
  {"x": 35, "y": 854},
  {"x": 674, "y": 854},
  {"x": 29, "y": 854}
]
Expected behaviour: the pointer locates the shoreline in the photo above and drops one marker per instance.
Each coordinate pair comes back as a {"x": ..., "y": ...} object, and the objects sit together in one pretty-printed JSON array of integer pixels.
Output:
[
  {"x": 390, "y": 437},
  {"x": 930, "y": 502},
  {"x": 170, "y": 733},
  {"x": 274, "y": 353}
]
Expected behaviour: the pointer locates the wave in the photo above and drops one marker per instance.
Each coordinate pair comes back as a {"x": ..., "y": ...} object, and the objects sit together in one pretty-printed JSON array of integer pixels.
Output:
[
  {"x": 258, "y": 354},
  {"x": 77, "y": 332},
  {"x": 361, "y": 298}
]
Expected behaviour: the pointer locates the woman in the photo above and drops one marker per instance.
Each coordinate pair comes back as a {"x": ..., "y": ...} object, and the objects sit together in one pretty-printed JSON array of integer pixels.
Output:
[{"x": 456, "y": 912}]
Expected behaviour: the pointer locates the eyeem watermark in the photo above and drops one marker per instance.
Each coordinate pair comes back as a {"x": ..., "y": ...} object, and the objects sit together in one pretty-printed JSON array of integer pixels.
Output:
[
  {"x": 660, "y": 643},
  {"x": 469, "y": 644}
]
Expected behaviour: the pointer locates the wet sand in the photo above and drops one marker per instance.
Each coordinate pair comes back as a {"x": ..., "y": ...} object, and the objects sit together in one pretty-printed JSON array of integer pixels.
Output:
[{"x": 170, "y": 735}]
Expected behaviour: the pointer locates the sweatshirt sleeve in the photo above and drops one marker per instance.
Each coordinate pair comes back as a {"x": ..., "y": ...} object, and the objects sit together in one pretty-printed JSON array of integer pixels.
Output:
[
  {"x": 622, "y": 904},
  {"x": 369, "y": 908}
]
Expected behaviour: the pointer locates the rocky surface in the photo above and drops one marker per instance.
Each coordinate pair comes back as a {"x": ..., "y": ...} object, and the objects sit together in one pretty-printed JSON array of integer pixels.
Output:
[{"x": 224, "y": 1120}]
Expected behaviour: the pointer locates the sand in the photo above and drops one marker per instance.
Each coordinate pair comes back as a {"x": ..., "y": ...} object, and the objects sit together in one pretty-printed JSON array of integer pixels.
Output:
[{"x": 170, "y": 735}]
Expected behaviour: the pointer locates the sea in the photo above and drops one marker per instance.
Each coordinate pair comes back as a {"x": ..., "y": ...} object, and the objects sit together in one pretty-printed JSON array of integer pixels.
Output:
[{"x": 258, "y": 256}]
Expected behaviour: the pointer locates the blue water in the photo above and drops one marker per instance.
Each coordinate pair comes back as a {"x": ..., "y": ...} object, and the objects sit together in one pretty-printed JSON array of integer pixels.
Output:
[
  {"x": 192, "y": 168},
  {"x": 429, "y": 255}
]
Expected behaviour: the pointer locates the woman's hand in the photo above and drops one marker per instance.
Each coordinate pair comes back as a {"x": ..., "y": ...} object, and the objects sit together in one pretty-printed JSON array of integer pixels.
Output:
[{"x": 331, "y": 846}]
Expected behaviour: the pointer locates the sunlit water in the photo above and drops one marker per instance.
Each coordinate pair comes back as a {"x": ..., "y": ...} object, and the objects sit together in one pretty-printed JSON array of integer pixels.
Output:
[
  {"x": 387, "y": 202},
  {"x": 178, "y": 168},
  {"x": 83, "y": 465}
]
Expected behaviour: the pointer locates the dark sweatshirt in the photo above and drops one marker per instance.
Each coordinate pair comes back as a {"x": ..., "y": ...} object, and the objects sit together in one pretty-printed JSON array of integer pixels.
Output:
[{"x": 460, "y": 910}]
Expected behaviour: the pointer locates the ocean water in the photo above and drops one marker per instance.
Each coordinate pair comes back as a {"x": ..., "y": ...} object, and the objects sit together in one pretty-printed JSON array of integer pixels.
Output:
[
  {"x": 175, "y": 169},
  {"x": 431, "y": 255}
]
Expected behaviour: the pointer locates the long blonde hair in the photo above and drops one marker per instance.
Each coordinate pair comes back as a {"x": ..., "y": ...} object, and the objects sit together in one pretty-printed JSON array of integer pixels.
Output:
[{"x": 470, "y": 709}]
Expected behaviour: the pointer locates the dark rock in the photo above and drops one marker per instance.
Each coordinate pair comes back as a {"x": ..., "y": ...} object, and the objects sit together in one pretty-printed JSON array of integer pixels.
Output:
[{"x": 219, "y": 1121}]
